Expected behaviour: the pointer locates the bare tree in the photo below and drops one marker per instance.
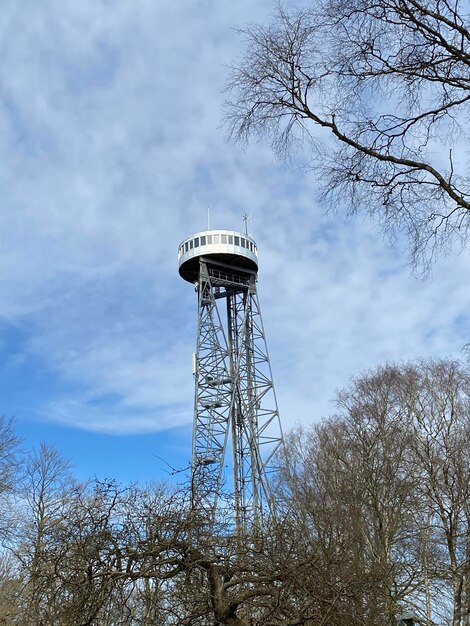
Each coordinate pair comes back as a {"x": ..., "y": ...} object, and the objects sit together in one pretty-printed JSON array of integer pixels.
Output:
[
  {"x": 9, "y": 465},
  {"x": 140, "y": 556},
  {"x": 438, "y": 397},
  {"x": 358, "y": 499},
  {"x": 10, "y": 589},
  {"x": 47, "y": 490},
  {"x": 389, "y": 81},
  {"x": 383, "y": 487}
]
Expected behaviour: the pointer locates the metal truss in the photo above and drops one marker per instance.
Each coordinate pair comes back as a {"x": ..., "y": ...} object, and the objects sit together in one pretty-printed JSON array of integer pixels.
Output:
[{"x": 237, "y": 428}]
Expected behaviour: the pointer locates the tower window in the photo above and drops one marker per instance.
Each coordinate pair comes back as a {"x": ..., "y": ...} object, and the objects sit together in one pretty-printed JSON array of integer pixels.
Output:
[
  {"x": 186, "y": 246},
  {"x": 223, "y": 238},
  {"x": 196, "y": 242},
  {"x": 237, "y": 240},
  {"x": 191, "y": 243},
  {"x": 230, "y": 238},
  {"x": 203, "y": 240},
  {"x": 209, "y": 239},
  {"x": 215, "y": 238}
]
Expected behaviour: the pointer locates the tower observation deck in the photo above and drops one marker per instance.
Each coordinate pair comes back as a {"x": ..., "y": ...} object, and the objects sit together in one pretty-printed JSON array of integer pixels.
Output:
[
  {"x": 236, "y": 427},
  {"x": 220, "y": 246}
]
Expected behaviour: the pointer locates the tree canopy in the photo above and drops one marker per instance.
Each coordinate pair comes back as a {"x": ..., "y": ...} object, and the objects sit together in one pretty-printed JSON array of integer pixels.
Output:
[{"x": 372, "y": 523}]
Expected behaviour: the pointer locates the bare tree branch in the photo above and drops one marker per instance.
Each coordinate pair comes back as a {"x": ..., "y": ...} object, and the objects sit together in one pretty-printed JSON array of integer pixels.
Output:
[{"x": 390, "y": 81}]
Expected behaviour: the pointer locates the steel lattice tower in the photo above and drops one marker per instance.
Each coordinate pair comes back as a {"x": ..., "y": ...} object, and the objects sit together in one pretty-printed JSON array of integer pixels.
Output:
[{"x": 236, "y": 428}]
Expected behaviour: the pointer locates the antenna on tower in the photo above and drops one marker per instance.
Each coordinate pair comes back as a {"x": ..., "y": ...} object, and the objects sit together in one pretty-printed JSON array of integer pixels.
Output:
[
  {"x": 208, "y": 218},
  {"x": 247, "y": 217}
]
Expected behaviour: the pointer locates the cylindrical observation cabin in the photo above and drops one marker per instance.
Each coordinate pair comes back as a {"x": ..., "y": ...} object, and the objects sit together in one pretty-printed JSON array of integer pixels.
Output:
[{"x": 221, "y": 247}]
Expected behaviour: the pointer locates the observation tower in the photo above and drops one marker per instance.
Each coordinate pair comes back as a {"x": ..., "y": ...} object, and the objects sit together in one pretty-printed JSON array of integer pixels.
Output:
[{"x": 236, "y": 428}]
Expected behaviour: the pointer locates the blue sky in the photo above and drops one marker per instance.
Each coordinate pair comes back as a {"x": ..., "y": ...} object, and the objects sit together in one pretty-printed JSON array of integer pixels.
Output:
[{"x": 111, "y": 151}]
